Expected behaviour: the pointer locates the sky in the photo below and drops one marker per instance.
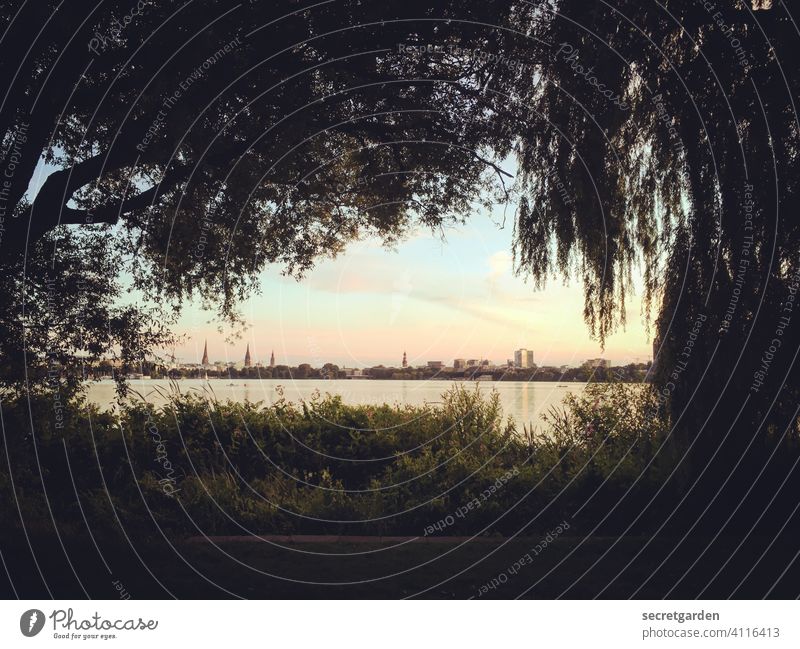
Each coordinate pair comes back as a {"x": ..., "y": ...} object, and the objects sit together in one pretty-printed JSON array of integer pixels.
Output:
[{"x": 434, "y": 299}]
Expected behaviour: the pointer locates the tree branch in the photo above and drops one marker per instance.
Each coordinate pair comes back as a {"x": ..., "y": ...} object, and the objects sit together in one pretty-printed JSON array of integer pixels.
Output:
[{"x": 111, "y": 212}]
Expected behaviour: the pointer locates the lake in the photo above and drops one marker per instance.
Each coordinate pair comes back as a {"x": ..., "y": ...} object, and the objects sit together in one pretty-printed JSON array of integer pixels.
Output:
[{"x": 525, "y": 401}]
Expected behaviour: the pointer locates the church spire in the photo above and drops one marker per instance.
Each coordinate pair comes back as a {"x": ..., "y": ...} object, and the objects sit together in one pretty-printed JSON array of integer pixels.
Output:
[
  {"x": 272, "y": 359},
  {"x": 205, "y": 353},
  {"x": 405, "y": 360},
  {"x": 247, "y": 356}
]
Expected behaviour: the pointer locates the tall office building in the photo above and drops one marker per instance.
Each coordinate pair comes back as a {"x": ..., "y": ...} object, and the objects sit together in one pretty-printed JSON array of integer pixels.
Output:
[{"x": 523, "y": 358}]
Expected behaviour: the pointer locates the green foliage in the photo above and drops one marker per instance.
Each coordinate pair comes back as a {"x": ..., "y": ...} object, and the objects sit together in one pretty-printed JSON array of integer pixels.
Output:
[
  {"x": 296, "y": 143},
  {"x": 615, "y": 428},
  {"x": 322, "y": 466}
]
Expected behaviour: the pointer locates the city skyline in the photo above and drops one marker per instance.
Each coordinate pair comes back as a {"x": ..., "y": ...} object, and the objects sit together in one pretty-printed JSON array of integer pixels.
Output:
[
  {"x": 520, "y": 358},
  {"x": 458, "y": 298}
]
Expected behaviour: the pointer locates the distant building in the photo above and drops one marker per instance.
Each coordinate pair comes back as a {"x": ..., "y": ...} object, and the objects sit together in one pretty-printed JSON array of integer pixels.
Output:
[
  {"x": 405, "y": 360},
  {"x": 594, "y": 363},
  {"x": 272, "y": 359},
  {"x": 247, "y": 361},
  {"x": 435, "y": 365},
  {"x": 205, "y": 354},
  {"x": 523, "y": 358},
  {"x": 472, "y": 362},
  {"x": 459, "y": 363}
]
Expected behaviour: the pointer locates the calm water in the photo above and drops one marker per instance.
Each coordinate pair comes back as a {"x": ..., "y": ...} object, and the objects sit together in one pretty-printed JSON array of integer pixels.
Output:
[{"x": 522, "y": 400}]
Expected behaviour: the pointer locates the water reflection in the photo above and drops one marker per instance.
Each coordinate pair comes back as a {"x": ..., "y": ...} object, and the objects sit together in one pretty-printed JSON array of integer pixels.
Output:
[{"x": 525, "y": 401}]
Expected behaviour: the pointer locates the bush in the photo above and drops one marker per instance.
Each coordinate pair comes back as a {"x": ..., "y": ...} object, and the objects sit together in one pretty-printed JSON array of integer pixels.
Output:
[{"x": 198, "y": 465}]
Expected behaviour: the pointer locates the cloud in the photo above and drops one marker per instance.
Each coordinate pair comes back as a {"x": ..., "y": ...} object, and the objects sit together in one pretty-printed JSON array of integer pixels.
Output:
[{"x": 500, "y": 263}]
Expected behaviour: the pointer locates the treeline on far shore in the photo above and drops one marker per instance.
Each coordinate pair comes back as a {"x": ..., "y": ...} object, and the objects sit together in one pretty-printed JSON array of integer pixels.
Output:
[{"x": 631, "y": 373}]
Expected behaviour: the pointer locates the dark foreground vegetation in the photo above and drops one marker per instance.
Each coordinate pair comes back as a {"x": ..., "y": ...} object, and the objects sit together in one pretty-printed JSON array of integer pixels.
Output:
[
  {"x": 198, "y": 466},
  {"x": 599, "y": 501}
]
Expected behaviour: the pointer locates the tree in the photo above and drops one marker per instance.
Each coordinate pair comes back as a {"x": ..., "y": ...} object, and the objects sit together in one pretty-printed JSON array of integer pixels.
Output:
[
  {"x": 303, "y": 370},
  {"x": 198, "y": 144},
  {"x": 655, "y": 135},
  {"x": 696, "y": 178}
]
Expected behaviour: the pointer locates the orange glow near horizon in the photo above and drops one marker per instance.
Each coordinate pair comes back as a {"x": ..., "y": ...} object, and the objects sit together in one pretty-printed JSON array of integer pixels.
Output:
[{"x": 435, "y": 300}]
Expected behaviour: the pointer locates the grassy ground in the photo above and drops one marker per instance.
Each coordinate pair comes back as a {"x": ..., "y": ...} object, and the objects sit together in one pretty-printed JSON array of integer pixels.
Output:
[{"x": 568, "y": 567}]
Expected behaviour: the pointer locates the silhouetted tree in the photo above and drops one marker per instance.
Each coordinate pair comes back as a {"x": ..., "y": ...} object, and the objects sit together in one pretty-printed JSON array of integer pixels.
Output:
[{"x": 198, "y": 145}]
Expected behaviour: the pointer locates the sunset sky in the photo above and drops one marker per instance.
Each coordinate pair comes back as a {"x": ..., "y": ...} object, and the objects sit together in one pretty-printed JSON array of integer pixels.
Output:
[{"x": 437, "y": 301}]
